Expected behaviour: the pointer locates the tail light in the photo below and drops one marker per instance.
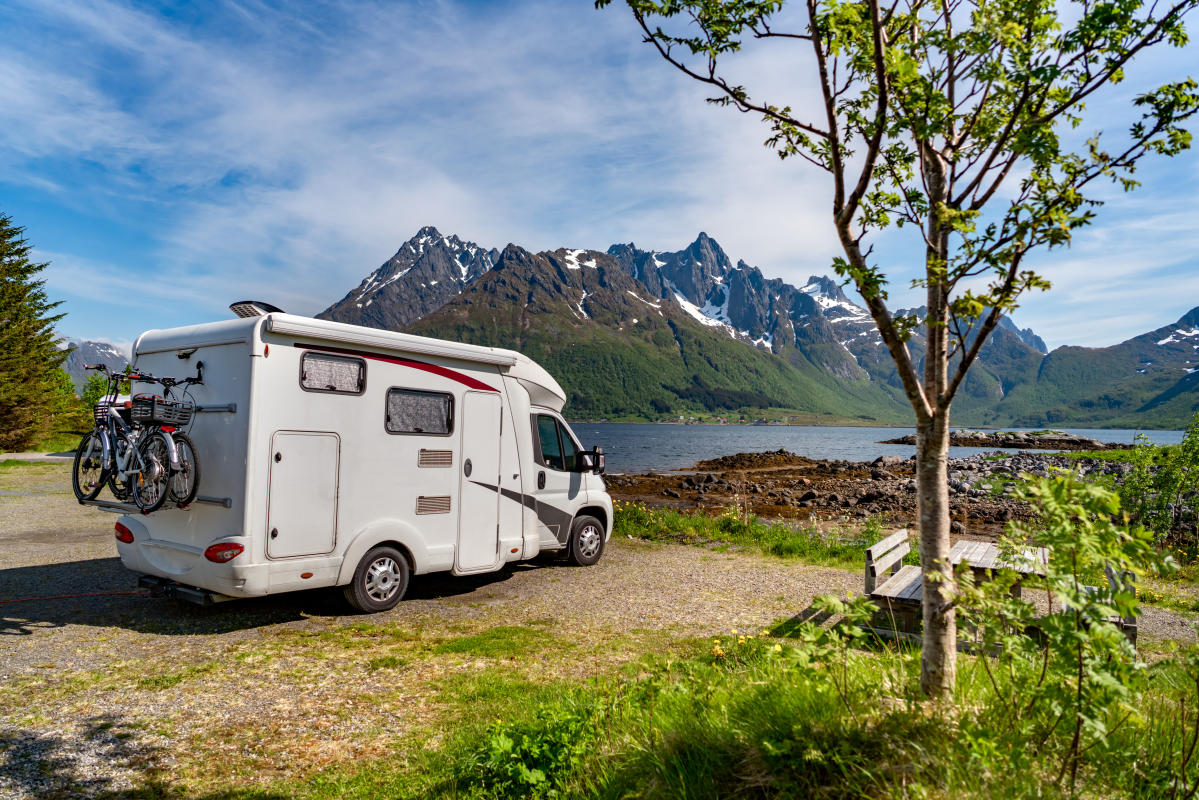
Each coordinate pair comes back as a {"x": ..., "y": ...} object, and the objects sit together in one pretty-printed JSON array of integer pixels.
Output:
[
  {"x": 223, "y": 551},
  {"x": 123, "y": 534}
]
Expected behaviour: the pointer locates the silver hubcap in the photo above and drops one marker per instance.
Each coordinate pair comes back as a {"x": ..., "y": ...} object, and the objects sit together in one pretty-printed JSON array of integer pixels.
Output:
[
  {"x": 590, "y": 540},
  {"x": 382, "y": 578}
]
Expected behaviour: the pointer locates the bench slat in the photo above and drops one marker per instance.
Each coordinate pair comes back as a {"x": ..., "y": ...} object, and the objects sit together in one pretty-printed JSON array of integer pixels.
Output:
[
  {"x": 888, "y": 561},
  {"x": 886, "y": 544},
  {"x": 903, "y": 585}
]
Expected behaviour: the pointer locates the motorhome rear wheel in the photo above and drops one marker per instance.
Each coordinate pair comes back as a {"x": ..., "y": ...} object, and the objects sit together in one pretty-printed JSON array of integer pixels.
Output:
[{"x": 379, "y": 582}]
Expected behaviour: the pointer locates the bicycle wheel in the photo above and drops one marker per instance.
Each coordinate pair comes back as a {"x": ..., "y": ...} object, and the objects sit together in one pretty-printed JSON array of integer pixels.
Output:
[
  {"x": 120, "y": 487},
  {"x": 89, "y": 471},
  {"x": 185, "y": 481},
  {"x": 152, "y": 484}
]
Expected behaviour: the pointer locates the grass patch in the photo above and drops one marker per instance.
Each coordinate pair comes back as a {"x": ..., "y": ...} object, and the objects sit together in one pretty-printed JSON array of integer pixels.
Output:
[
  {"x": 16, "y": 463},
  {"x": 169, "y": 680},
  {"x": 61, "y": 442},
  {"x": 386, "y": 662},
  {"x": 837, "y": 548},
  {"x": 505, "y": 641}
]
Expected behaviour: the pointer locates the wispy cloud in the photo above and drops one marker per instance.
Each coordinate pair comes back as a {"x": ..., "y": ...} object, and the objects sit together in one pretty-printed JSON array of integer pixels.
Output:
[{"x": 243, "y": 149}]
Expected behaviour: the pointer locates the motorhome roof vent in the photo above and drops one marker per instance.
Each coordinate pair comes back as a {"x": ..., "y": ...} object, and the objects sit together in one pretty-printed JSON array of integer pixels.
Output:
[{"x": 252, "y": 308}]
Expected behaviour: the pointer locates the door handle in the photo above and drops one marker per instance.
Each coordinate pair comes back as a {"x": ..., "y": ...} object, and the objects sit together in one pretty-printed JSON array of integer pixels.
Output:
[
  {"x": 467, "y": 468},
  {"x": 541, "y": 479},
  {"x": 274, "y": 533}
]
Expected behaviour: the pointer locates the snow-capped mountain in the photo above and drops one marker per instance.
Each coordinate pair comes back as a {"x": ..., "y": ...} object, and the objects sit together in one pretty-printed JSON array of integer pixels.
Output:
[
  {"x": 656, "y": 310},
  {"x": 424, "y": 274},
  {"x": 89, "y": 352}
]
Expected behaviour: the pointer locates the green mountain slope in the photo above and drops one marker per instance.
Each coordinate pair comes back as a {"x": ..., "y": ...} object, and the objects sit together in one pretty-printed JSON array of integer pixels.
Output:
[
  {"x": 1149, "y": 381},
  {"x": 620, "y": 354}
]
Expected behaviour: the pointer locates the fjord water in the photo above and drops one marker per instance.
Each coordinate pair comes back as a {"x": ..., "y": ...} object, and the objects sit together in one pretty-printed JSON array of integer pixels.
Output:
[{"x": 643, "y": 448}]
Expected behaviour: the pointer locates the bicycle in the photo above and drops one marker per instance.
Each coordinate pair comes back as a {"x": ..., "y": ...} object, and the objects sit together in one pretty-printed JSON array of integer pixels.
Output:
[
  {"x": 171, "y": 454},
  {"x": 108, "y": 453}
]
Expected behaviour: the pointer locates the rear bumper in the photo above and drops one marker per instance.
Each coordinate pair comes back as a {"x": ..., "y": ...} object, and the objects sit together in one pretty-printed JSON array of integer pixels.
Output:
[{"x": 177, "y": 568}]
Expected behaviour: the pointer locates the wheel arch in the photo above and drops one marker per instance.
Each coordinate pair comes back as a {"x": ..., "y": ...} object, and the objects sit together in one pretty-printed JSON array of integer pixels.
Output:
[
  {"x": 599, "y": 512},
  {"x": 421, "y": 557}
]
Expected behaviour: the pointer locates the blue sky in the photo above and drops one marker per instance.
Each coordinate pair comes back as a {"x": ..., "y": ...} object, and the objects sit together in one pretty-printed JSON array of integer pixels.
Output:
[{"x": 170, "y": 158}]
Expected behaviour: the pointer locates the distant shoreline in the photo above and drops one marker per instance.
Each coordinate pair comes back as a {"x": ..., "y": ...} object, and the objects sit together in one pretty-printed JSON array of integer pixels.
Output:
[{"x": 1072, "y": 426}]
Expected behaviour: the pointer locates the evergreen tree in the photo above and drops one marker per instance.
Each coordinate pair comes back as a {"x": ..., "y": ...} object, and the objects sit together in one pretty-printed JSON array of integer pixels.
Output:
[{"x": 29, "y": 354}]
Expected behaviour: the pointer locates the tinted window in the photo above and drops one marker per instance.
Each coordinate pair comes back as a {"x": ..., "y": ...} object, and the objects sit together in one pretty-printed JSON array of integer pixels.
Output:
[
  {"x": 569, "y": 451},
  {"x": 551, "y": 449},
  {"x": 325, "y": 373},
  {"x": 413, "y": 411}
]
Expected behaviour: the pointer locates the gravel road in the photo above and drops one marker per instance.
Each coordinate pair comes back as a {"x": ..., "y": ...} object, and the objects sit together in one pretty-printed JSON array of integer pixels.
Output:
[{"x": 100, "y": 693}]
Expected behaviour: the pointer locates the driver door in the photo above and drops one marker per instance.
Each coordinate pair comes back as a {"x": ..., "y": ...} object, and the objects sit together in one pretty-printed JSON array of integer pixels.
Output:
[{"x": 559, "y": 489}]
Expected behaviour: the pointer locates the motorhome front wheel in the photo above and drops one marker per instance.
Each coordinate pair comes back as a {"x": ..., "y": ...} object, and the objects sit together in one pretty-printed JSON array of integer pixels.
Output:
[
  {"x": 379, "y": 582},
  {"x": 586, "y": 541}
]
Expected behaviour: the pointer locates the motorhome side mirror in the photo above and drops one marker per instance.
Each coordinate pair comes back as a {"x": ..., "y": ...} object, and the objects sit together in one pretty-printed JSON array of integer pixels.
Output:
[{"x": 598, "y": 460}]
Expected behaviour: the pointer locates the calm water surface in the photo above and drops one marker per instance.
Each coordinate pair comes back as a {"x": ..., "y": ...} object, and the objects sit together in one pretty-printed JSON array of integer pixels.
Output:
[{"x": 641, "y": 448}]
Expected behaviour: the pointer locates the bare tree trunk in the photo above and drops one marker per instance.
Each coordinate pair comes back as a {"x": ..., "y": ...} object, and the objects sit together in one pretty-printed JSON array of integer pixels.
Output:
[{"x": 938, "y": 666}]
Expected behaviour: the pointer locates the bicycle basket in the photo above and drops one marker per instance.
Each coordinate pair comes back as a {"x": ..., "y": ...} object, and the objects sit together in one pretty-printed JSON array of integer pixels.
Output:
[
  {"x": 154, "y": 410},
  {"x": 101, "y": 411}
]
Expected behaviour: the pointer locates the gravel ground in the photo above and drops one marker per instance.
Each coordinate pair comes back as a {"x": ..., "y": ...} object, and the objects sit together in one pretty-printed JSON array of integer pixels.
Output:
[{"x": 99, "y": 694}]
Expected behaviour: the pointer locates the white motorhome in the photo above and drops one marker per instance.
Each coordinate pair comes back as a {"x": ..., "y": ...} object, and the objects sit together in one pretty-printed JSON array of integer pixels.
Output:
[{"x": 337, "y": 455}]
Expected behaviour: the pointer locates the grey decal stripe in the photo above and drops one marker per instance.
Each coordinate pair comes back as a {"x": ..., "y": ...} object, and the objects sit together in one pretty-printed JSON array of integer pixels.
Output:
[{"x": 550, "y": 516}]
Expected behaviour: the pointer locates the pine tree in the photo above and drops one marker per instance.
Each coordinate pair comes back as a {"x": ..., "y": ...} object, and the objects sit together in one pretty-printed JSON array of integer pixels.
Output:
[{"x": 29, "y": 354}]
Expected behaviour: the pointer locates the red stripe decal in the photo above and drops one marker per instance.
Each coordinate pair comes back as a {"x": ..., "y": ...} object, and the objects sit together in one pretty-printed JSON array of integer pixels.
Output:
[{"x": 444, "y": 372}]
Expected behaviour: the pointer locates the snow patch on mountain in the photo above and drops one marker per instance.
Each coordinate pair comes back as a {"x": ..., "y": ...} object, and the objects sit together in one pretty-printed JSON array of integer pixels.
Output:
[
  {"x": 1185, "y": 334},
  {"x": 572, "y": 260}
]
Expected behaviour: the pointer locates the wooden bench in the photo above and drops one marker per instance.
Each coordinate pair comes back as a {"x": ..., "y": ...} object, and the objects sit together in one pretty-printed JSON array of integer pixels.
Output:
[{"x": 895, "y": 587}]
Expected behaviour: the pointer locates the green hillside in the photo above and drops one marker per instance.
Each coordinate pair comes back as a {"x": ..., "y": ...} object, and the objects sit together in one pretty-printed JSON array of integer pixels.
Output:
[{"x": 619, "y": 356}]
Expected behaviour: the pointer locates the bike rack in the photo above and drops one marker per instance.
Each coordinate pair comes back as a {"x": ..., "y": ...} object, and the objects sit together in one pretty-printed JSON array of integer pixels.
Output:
[
  {"x": 227, "y": 408},
  {"x": 117, "y": 507}
]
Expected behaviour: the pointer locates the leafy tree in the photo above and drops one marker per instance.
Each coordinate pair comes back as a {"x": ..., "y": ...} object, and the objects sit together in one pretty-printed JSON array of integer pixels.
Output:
[
  {"x": 94, "y": 389},
  {"x": 29, "y": 354},
  {"x": 949, "y": 121},
  {"x": 1161, "y": 491}
]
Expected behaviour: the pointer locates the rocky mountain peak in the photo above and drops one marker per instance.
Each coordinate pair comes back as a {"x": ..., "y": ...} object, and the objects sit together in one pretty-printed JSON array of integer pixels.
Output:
[{"x": 423, "y": 275}]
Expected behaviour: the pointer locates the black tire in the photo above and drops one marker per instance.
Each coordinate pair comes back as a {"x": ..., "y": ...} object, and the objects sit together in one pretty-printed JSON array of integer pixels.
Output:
[
  {"x": 586, "y": 543},
  {"x": 121, "y": 489},
  {"x": 185, "y": 483},
  {"x": 379, "y": 582},
  {"x": 152, "y": 485},
  {"x": 89, "y": 472}
]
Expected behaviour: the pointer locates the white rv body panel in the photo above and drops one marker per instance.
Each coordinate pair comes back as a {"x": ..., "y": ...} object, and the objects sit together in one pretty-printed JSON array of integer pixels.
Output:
[{"x": 309, "y": 478}]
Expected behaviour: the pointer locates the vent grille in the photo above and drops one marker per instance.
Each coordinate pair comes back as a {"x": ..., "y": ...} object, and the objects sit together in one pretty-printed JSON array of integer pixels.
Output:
[
  {"x": 435, "y": 458},
  {"x": 433, "y": 505}
]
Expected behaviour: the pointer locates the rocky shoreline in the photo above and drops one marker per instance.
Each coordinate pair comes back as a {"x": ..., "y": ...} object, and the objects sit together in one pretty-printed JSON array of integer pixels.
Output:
[
  {"x": 781, "y": 484},
  {"x": 1018, "y": 440}
]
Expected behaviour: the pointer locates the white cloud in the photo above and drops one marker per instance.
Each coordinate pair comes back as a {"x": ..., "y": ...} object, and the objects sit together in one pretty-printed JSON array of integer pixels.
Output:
[{"x": 284, "y": 154}]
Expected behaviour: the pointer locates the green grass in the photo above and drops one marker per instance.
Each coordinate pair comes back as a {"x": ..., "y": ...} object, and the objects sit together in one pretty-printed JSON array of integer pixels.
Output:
[
  {"x": 753, "y": 717},
  {"x": 845, "y": 549},
  {"x": 16, "y": 463},
  {"x": 505, "y": 641},
  {"x": 60, "y": 442}
]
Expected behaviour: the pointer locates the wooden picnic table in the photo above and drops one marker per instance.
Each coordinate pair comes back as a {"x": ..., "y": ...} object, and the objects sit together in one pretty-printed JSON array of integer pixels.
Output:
[{"x": 983, "y": 557}]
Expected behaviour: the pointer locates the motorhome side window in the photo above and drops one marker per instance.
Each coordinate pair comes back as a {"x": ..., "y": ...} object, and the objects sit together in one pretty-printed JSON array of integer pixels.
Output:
[
  {"x": 414, "y": 411},
  {"x": 325, "y": 373},
  {"x": 558, "y": 450}
]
